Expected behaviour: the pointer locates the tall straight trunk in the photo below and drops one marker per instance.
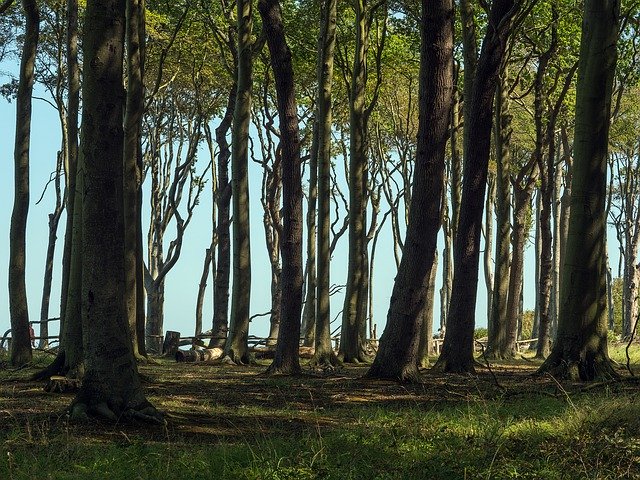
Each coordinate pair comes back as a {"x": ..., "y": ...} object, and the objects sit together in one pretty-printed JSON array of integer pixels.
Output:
[
  {"x": 155, "y": 316},
  {"x": 132, "y": 171},
  {"x": 352, "y": 347},
  {"x": 397, "y": 356},
  {"x": 488, "y": 241},
  {"x": 521, "y": 212},
  {"x": 425, "y": 349},
  {"x": 286, "y": 359},
  {"x": 580, "y": 350},
  {"x": 323, "y": 349},
  {"x": 535, "y": 329},
  {"x": 457, "y": 351},
  {"x": 111, "y": 385},
  {"x": 18, "y": 309},
  {"x": 223, "y": 266},
  {"x": 236, "y": 346},
  {"x": 498, "y": 318},
  {"x": 308, "y": 331}
]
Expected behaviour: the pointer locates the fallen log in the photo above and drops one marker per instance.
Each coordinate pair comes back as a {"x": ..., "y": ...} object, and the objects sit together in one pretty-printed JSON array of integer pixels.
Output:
[{"x": 198, "y": 355}]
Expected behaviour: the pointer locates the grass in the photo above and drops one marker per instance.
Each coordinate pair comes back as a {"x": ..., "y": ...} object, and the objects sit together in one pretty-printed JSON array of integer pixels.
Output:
[{"x": 230, "y": 423}]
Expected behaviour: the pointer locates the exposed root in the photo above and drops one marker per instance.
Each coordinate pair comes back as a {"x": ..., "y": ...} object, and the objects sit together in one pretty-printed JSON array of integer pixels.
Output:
[
  {"x": 82, "y": 412},
  {"x": 55, "y": 368}
]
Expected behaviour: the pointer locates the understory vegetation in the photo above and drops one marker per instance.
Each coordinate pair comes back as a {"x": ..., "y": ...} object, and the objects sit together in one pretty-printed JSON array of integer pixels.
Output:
[{"x": 228, "y": 422}]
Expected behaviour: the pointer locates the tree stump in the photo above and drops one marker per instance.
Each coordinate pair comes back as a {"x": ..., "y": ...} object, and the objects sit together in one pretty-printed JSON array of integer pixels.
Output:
[{"x": 171, "y": 343}]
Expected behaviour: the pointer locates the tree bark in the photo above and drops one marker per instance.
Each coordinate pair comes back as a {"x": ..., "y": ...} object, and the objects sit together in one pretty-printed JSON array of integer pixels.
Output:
[
  {"x": 286, "y": 359},
  {"x": 236, "y": 346},
  {"x": 397, "y": 356},
  {"x": 580, "y": 350},
  {"x": 324, "y": 354},
  {"x": 498, "y": 318},
  {"x": 20, "y": 339},
  {"x": 132, "y": 170},
  {"x": 111, "y": 385},
  {"x": 223, "y": 266},
  {"x": 457, "y": 351}
]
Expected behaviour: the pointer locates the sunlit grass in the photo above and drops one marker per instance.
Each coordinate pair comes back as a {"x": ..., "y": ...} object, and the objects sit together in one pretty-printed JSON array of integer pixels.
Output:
[{"x": 235, "y": 424}]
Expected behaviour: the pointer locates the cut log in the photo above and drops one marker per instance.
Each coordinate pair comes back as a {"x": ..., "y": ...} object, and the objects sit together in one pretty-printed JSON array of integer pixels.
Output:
[
  {"x": 171, "y": 342},
  {"x": 199, "y": 355}
]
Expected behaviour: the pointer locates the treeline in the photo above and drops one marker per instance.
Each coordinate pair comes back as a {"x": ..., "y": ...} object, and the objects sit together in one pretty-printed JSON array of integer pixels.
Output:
[{"x": 437, "y": 119}]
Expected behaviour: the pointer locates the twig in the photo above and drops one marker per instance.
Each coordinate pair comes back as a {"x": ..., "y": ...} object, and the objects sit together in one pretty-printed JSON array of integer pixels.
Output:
[{"x": 495, "y": 379}]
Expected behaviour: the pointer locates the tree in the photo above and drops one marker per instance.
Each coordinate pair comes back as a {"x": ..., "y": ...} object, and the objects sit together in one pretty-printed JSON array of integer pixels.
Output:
[
  {"x": 397, "y": 356},
  {"x": 21, "y": 341},
  {"x": 457, "y": 350},
  {"x": 326, "y": 44},
  {"x": 236, "y": 347},
  {"x": 286, "y": 356},
  {"x": 580, "y": 350},
  {"x": 111, "y": 385}
]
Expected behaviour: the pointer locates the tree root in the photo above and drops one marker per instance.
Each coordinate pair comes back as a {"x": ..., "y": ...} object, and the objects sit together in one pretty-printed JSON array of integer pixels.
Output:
[{"x": 81, "y": 412}]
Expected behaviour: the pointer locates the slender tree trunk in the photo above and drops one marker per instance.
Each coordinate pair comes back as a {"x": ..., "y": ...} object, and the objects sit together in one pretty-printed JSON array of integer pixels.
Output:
[
  {"x": 351, "y": 347},
  {"x": 323, "y": 349},
  {"x": 223, "y": 266},
  {"x": 457, "y": 351},
  {"x": 488, "y": 241},
  {"x": 425, "y": 349},
  {"x": 286, "y": 359},
  {"x": 236, "y": 346},
  {"x": 498, "y": 318},
  {"x": 309, "y": 312},
  {"x": 18, "y": 309},
  {"x": 580, "y": 350},
  {"x": 132, "y": 171},
  {"x": 202, "y": 286},
  {"x": 397, "y": 356},
  {"x": 111, "y": 386},
  {"x": 54, "y": 220}
]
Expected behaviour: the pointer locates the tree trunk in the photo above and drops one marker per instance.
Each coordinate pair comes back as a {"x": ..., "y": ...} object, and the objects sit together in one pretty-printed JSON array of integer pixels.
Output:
[
  {"x": 425, "y": 349},
  {"x": 111, "y": 386},
  {"x": 397, "y": 356},
  {"x": 54, "y": 220},
  {"x": 457, "y": 351},
  {"x": 223, "y": 266},
  {"x": 18, "y": 309},
  {"x": 155, "y": 316},
  {"x": 324, "y": 354},
  {"x": 352, "y": 348},
  {"x": 132, "y": 170},
  {"x": 488, "y": 241},
  {"x": 286, "y": 359},
  {"x": 236, "y": 346},
  {"x": 580, "y": 350},
  {"x": 202, "y": 286},
  {"x": 497, "y": 324}
]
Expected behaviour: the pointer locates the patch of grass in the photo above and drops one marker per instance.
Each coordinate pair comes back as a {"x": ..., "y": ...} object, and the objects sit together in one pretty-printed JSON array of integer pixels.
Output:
[{"x": 232, "y": 423}]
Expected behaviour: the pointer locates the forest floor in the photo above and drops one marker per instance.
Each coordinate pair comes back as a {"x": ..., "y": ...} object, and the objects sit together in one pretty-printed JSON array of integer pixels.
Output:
[{"x": 227, "y": 422}]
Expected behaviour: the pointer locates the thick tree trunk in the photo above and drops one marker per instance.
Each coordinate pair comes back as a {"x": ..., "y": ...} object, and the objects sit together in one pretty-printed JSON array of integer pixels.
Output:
[
  {"x": 397, "y": 356},
  {"x": 580, "y": 350},
  {"x": 457, "y": 351},
  {"x": 324, "y": 354},
  {"x": 236, "y": 346},
  {"x": 18, "y": 309},
  {"x": 111, "y": 385},
  {"x": 286, "y": 359},
  {"x": 498, "y": 318}
]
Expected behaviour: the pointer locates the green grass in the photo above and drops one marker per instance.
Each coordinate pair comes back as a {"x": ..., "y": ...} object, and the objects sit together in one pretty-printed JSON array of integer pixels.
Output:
[{"x": 226, "y": 424}]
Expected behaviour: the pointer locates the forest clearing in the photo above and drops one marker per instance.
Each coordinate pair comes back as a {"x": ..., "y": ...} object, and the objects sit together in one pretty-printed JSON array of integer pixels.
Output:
[{"x": 228, "y": 422}]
